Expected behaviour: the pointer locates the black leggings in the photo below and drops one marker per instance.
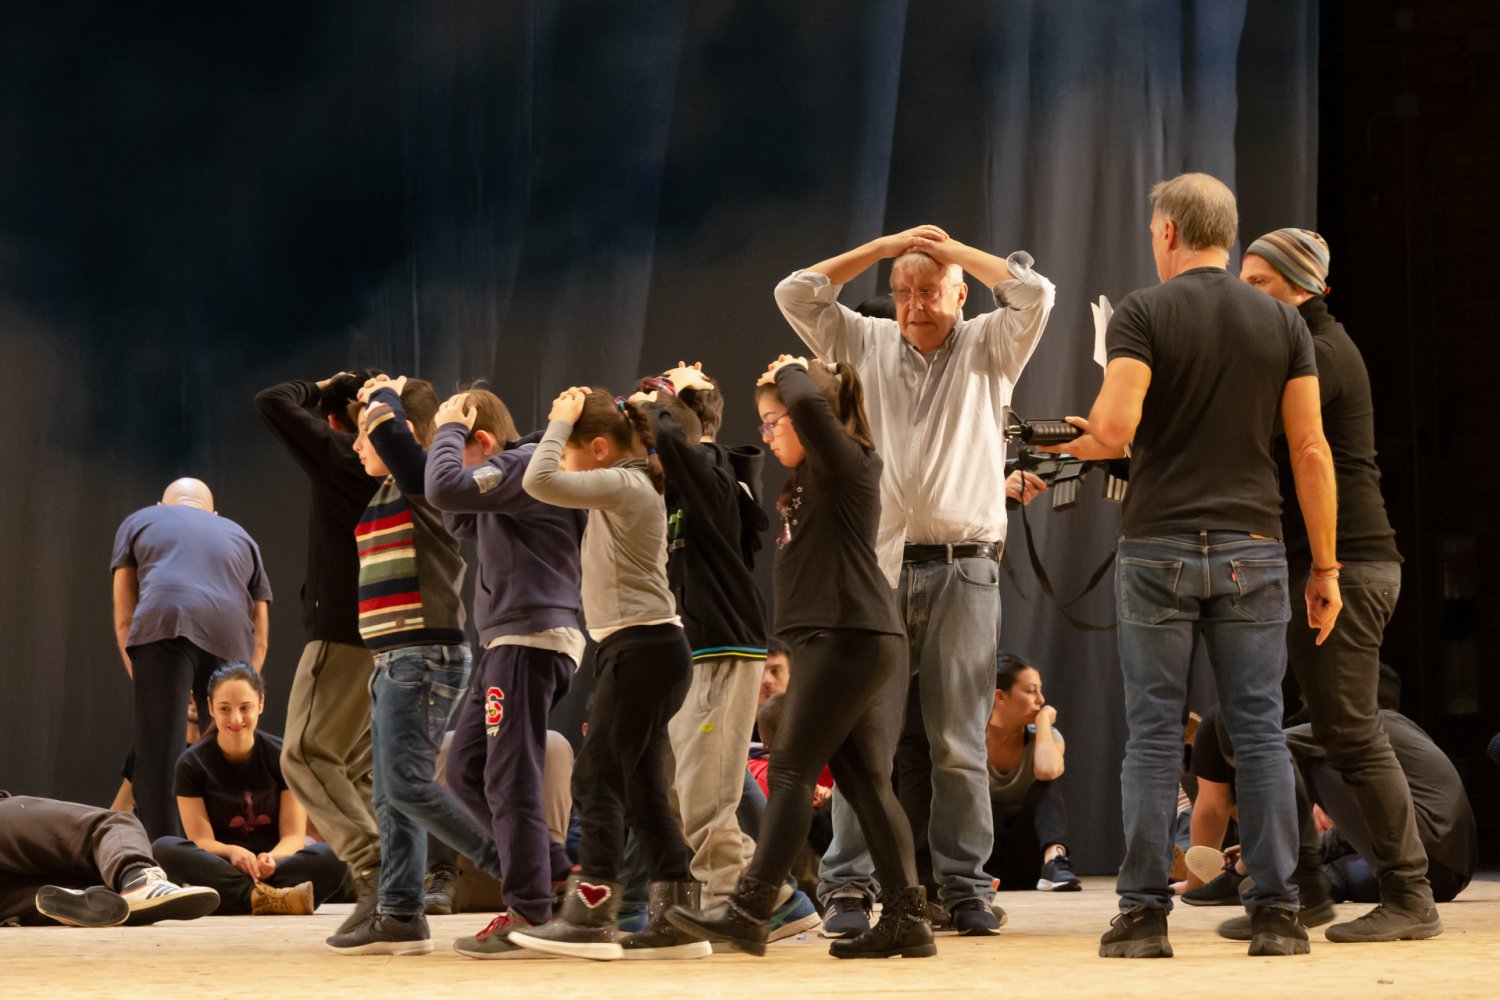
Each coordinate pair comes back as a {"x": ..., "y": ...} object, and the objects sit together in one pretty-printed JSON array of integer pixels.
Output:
[
  {"x": 844, "y": 708},
  {"x": 620, "y": 776}
]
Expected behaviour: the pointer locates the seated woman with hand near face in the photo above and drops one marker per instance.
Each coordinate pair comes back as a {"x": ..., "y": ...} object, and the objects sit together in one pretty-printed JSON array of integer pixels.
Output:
[{"x": 247, "y": 834}]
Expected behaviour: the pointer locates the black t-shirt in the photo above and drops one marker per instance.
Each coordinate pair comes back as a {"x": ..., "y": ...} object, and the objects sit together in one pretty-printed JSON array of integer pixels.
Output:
[
  {"x": 1220, "y": 354},
  {"x": 826, "y": 574},
  {"x": 243, "y": 799},
  {"x": 1210, "y": 762},
  {"x": 1364, "y": 531}
]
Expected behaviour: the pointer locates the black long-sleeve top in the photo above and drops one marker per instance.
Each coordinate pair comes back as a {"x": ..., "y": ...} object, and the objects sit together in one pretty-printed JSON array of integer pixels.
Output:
[
  {"x": 340, "y": 492},
  {"x": 721, "y": 608},
  {"x": 826, "y": 574}
]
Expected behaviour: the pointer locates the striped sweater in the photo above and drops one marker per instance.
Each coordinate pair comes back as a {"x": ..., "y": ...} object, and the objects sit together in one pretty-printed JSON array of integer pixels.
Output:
[{"x": 410, "y": 569}]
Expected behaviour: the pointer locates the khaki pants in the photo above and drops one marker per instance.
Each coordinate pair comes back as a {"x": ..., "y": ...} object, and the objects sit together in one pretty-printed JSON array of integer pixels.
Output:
[
  {"x": 710, "y": 737},
  {"x": 325, "y": 754}
]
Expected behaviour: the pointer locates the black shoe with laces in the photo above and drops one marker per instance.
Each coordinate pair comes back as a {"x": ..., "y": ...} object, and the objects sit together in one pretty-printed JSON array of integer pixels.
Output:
[
  {"x": 846, "y": 916},
  {"x": 974, "y": 918},
  {"x": 1138, "y": 933},
  {"x": 1057, "y": 876}
]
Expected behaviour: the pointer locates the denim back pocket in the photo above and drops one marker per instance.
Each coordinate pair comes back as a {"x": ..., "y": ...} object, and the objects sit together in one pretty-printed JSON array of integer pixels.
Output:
[
  {"x": 1146, "y": 589},
  {"x": 1261, "y": 594}
]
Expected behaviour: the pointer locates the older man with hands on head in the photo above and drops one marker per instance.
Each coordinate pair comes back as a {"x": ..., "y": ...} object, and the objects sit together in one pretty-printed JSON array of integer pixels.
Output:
[{"x": 936, "y": 386}]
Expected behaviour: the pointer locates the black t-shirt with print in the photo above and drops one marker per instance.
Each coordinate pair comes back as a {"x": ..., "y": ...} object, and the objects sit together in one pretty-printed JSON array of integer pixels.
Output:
[{"x": 243, "y": 799}]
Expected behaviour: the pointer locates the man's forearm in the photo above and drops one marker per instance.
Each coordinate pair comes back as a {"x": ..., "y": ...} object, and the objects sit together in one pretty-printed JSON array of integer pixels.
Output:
[
  {"x": 262, "y": 619},
  {"x": 984, "y": 266},
  {"x": 1317, "y": 494},
  {"x": 851, "y": 264}
]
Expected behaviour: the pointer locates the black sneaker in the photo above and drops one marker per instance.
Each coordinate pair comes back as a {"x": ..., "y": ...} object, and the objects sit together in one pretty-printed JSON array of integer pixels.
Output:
[
  {"x": 846, "y": 916},
  {"x": 1388, "y": 923},
  {"x": 1057, "y": 876},
  {"x": 1275, "y": 931},
  {"x": 1222, "y": 890},
  {"x": 96, "y": 906},
  {"x": 1242, "y": 929},
  {"x": 384, "y": 934},
  {"x": 974, "y": 918},
  {"x": 1138, "y": 933}
]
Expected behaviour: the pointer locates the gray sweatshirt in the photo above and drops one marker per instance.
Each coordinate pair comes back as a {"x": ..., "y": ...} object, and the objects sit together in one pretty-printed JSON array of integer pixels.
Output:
[{"x": 624, "y": 552}]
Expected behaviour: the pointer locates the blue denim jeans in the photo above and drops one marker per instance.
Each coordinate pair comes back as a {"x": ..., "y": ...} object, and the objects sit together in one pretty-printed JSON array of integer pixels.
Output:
[
  {"x": 1230, "y": 589},
  {"x": 952, "y": 615},
  {"x": 413, "y": 691}
]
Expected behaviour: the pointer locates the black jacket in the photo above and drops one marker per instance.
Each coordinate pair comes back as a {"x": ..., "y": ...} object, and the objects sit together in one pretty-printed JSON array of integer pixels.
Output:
[
  {"x": 340, "y": 492},
  {"x": 713, "y": 528}
]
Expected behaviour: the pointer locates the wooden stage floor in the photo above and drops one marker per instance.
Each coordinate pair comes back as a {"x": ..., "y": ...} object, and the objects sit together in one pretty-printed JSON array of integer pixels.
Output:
[{"x": 1048, "y": 950}]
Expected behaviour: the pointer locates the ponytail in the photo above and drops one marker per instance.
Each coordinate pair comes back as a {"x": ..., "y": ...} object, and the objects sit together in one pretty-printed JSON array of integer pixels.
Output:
[
  {"x": 851, "y": 404},
  {"x": 642, "y": 428}
]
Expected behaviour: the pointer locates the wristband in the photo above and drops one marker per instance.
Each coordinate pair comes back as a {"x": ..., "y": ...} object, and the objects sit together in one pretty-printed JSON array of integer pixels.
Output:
[{"x": 1331, "y": 573}]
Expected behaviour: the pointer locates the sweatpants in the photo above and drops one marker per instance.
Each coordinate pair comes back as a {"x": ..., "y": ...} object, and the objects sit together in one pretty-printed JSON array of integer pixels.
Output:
[
  {"x": 844, "y": 709},
  {"x": 496, "y": 764},
  {"x": 325, "y": 753},
  {"x": 188, "y": 864},
  {"x": 642, "y": 676},
  {"x": 164, "y": 673},
  {"x": 710, "y": 738},
  {"x": 49, "y": 842}
]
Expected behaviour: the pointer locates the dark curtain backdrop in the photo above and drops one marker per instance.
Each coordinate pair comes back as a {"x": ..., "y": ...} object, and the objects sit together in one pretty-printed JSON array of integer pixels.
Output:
[{"x": 199, "y": 201}]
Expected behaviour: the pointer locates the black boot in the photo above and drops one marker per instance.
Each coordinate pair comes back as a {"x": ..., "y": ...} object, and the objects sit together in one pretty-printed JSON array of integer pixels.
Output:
[
  {"x": 585, "y": 927},
  {"x": 741, "y": 922},
  {"x": 903, "y": 929},
  {"x": 660, "y": 939},
  {"x": 1137, "y": 933}
]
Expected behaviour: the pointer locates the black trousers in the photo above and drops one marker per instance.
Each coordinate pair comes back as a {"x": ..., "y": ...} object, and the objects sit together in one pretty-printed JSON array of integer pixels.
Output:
[
  {"x": 48, "y": 842},
  {"x": 1021, "y": 834},
  {"x": 1339, "y": 681},
  {"x": 165, "y": 672},
  {"x": 844, "y": 709},
  {"x": 620, "y": 776},
  {"x": 186, "y": 862}
]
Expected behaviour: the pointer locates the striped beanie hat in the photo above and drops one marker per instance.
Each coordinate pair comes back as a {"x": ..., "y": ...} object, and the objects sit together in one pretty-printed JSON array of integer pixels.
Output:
[{"x": 1300, "y": 255}]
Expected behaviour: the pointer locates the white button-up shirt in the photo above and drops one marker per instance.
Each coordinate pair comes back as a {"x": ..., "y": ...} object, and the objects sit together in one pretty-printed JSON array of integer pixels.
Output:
[{"x": 938, "y": 419}]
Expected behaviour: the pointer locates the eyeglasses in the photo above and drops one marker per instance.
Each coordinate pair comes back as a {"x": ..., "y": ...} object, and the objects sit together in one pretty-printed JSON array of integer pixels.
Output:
[
  {"x": 769, "y": 427},
  {"x": 927, "y": 296}
]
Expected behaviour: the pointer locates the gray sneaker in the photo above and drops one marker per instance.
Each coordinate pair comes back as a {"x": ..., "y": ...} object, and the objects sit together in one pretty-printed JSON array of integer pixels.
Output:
[
  {"x": 96, "y": 906},
  {"x": 846, "y": 916},
  {"x": 1388, "y": 923},
  {"x": 384, "y": 934}
]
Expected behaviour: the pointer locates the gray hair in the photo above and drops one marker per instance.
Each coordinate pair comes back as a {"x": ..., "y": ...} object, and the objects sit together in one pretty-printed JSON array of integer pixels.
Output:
[
  {"x": 921, "y": 262},
  {"x": 1201, "y": 207}
]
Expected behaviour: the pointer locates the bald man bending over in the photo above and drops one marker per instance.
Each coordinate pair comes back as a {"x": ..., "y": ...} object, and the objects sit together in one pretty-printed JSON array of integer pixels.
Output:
[{"x": 190, "y": 594}]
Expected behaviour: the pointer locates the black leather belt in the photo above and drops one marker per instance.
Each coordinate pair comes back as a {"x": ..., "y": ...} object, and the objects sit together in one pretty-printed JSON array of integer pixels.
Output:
[{"x": 948, "y": 553}]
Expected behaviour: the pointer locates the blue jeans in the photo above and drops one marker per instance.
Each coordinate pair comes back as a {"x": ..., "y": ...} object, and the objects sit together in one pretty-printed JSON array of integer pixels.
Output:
[
  {"x": 412, "y": 694},
  {"x": 952, "y": 615},
  {"x": 1230, "y": 588}
]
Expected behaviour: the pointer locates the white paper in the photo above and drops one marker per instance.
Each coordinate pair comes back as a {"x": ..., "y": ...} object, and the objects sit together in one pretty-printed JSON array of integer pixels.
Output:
[{"x": 1102, "y": 311}]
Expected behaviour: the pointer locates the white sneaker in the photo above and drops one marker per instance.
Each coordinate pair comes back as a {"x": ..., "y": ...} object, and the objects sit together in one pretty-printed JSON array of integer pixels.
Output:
[{"x": 151, "y": 896}]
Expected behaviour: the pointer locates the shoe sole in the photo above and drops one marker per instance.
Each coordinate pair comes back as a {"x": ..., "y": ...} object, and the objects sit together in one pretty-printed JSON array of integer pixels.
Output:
[
  {"x": 190, "y": 903},
  {"x": 1152, "y": 947},
  {"x": 1067, "y": 885},
  {"x": 756, "y": 948},
  {"x": 827, "y": 932},
  {"x": 397, "y": 948},
  {"x": 1205, "y": 862},
  {"x": 802, "y": 926},
  {"x": 693, "y": 949},
  {"x": 95, "y": 906},
  {"x": 915, "y": 951},
  {"x": 598, "y": 951},
  {"x": 1273, "y": 945},
  {"x": 980, "y": 932}
]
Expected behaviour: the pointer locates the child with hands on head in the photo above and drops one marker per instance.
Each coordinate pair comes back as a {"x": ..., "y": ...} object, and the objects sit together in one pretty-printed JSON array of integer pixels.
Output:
[{"x": 598, "y": 453}]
